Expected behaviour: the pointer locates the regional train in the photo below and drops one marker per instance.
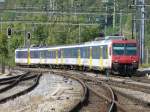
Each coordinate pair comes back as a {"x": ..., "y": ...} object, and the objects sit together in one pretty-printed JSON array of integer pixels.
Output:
[{"x": 110, "y": 55}]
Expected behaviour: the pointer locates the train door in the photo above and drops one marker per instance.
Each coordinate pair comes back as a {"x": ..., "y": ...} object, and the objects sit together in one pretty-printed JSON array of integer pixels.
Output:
[{"x": 101, "y": 58}]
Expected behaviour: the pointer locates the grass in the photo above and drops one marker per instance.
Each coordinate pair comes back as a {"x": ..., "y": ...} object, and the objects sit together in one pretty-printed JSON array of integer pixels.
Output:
[{"x": 145, "y": 66}]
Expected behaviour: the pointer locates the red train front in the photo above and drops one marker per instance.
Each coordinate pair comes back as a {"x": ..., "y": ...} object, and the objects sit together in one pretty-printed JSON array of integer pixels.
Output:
[{"x": 125, "y": 58}]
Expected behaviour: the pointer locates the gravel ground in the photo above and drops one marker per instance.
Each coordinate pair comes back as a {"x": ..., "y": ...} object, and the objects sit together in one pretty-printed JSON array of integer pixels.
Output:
[
  {"x": 96, "y": 103},
  {"x": 130, "y": 105},
  {"x": 136, "y": 94},
  {"x": 54, "y": 93},
  {"x": 135, "y": 102}
]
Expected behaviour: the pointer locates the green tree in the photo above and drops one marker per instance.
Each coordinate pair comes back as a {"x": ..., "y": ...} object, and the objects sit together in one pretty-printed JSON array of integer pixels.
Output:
[
  {"x": 3, "y": 50},
  {"x": 41, "y": 34}
]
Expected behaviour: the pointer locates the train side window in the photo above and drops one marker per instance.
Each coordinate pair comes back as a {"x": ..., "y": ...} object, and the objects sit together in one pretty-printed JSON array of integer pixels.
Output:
[
  {"x": 95, "y": 52},
  {"x": 64, "y": 54},
  {"x": 42, "y": 54},
  {"x": 25, "y": 54},
  {"x": 21, "y": 54},
  {"x": 105, "y": 52},
  {"x": 45, "y": 53},
  {"x": 54, "y": 54},
  {"x": 86, "y": 52},
  {"x": 59, "y": 53},
  {"x": 51, "y": 54},
  {"x": 74, "y": 53},
  {"x": 82, "y": 52},
  {"x": 17, "y": 54},
  {"x": 36, "y": 54},
  {"x": 69, "y": 52},
  {"x": 32, "y": 54}
]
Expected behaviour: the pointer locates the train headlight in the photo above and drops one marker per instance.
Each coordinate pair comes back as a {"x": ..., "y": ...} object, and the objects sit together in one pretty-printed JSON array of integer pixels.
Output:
[
  {"x": 134, "y": 61},
  {"x": 116, "y": 61}
]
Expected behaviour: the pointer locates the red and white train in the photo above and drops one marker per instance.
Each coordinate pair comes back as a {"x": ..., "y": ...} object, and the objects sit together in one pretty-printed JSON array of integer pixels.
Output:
[{"x": 117, "y": 55}]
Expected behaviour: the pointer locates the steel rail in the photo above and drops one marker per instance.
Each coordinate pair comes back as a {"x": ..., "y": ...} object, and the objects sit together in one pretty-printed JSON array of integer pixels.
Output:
[
  {"x": 12, "y": 77},
  {"x": 112, "y": 101},
  {"x": 4, "y": 82},
  {"x": 80, "y": 103},
  {"x": 85, "y": 78},
  {"x": 3, "y": 100},
  {"x": 14, "y": 83}
]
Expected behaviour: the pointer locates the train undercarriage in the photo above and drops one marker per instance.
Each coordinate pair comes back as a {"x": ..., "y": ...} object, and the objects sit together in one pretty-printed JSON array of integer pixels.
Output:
[
  {"x": 120, "y": 69},
  {"x": 124, "y": 69}
]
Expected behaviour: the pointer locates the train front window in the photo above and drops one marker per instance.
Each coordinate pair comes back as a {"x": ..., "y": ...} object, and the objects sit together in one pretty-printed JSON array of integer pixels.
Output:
[
  {"x": 118, "y": 49},
  {"x": 131, "y": 49}
]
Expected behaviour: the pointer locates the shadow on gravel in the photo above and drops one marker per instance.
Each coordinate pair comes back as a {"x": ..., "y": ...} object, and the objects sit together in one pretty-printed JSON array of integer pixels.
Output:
[{"x": 140, "y": 74}]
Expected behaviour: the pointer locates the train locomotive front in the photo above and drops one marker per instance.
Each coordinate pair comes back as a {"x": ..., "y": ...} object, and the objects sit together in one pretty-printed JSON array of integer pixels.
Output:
[{"x": 125, "y": 59}]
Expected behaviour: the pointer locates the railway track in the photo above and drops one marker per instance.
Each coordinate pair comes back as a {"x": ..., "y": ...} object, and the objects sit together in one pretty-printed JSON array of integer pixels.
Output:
[
  {"x": 129, "y": 102},
  {"x": 101, "y": 98},
  {"x": 133, "y": 95},
  {"x": 10, "y": 88},
  {"x": 93, "y": 97}
]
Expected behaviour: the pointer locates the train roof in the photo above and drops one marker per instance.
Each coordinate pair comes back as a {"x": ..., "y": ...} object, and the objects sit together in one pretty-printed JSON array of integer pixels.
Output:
[{"x": 91, "y": 43}]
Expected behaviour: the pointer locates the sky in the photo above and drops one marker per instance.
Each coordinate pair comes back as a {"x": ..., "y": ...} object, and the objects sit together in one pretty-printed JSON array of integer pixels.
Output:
[{"x": 2, "y": 0}]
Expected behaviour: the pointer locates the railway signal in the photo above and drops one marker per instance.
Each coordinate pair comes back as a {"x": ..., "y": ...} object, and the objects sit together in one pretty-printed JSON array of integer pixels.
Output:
[
  {"x": 9, "y": 32},
  {"x": 28, "y": 35},
  {"x": 28, "y": 39}
]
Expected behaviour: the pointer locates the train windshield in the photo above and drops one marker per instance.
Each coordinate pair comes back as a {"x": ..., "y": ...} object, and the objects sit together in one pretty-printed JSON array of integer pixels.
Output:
[
  {"x": 124, "y": 49},
  {"x": 118, "y": 49},
  {"x": 130, "y": 49}
]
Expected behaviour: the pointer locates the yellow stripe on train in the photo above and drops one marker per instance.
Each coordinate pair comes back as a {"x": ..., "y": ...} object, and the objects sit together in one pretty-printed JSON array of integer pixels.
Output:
[
  {"x": 79, "y": 58},
  {"x": 56, "y": 56},
  {"x": 29, "y": 60},
  {"x": 90, "y": 62}
]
